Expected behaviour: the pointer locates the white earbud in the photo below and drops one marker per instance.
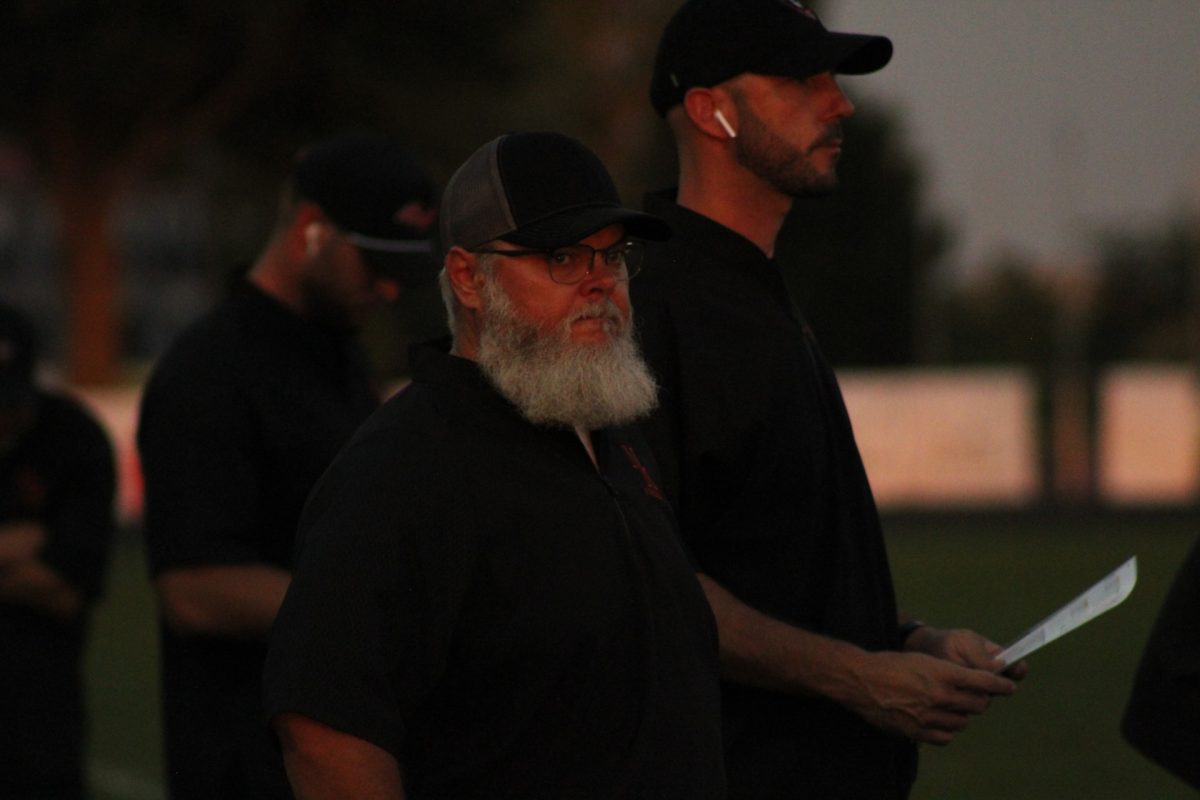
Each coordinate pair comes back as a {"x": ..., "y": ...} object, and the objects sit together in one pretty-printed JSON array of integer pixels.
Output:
[
  {"x": 725, "y": 124},
  {"x": 312, "y": 238}
]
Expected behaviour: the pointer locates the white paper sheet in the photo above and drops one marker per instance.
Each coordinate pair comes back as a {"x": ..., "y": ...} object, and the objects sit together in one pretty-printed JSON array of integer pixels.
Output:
[{"x": 1107, "y": 593}]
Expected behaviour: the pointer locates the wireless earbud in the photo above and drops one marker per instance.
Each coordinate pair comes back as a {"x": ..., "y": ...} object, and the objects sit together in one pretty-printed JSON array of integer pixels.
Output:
[
  {"x": 312, "y": 239},
  {"x": 725, "y": 124}
]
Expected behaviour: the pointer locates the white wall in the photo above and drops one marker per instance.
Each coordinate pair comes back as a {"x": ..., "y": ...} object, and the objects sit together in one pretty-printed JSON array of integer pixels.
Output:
[
  {"x": 940, "y": 438},
  {"x": 1148, "y": 435},
  {"x": 946, "y": 438}
]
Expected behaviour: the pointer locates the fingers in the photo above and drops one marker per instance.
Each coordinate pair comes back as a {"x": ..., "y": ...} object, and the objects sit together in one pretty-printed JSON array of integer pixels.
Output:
[
  {"x": 936, "y": 726},
  {"x": 965, "y": 702},
  {"x": 985, "y": 682},
  {"x": 929, "y": 699},
  {"x": 1016, "y": 671},
  {"x": 970, "y": 649},
  {"x": 951, "y": 715}
]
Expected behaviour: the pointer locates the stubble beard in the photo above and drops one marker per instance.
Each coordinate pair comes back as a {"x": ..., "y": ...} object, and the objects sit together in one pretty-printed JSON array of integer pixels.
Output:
[
  {"x": 558, "y": 382},
  {"x": 324, "y": 306},
  {"x": 789, "y": 170}
]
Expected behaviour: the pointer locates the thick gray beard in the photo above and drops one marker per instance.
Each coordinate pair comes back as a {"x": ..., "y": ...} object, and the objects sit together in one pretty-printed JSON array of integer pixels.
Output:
[{"x": 557, "y": 382}]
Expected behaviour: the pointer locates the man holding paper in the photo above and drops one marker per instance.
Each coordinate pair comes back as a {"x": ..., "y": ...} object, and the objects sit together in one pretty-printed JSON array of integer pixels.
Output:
[{"x": 826, "y": 688}]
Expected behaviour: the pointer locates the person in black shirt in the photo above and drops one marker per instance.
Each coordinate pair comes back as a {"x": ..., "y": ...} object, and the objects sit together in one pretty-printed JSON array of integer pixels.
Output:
[
  {"x": 239, "y": 418},
  {"x": 1162, "y": 717},
  {"x": 57, "y": 485},
  {"x": 825, "y": 690},
  {"x": 491, "y": 600}
]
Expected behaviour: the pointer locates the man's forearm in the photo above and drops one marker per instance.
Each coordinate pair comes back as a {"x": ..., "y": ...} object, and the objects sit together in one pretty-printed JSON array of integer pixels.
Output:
[
  {"x": 916, "y": 695},
  {"x": 32, "y": 584},
  {"x": 759, "y": 650},
  {"x": 326, "y": 764},
  {"x": 239, "y": 600},
  {"x": 21, "y": 541}
]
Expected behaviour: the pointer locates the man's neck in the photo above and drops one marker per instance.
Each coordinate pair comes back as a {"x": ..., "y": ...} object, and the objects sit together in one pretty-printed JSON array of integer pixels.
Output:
[
  {"x": 273, "y": 277},
  {"x": 741, "y": 203},
  {"x": 585, "y": 436}
]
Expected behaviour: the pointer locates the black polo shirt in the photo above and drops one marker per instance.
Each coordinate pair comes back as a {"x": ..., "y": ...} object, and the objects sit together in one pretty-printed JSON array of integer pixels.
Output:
[
  {"x": 476, "y": 597},
  {"x": 240, "y": 417},
  {"x": 758, "y": 454},
  {"x": 59, "y": 474}
]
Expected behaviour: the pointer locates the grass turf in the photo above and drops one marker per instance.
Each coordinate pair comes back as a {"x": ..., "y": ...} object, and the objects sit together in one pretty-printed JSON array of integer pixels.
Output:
[{"x": 1057, "y": 738}]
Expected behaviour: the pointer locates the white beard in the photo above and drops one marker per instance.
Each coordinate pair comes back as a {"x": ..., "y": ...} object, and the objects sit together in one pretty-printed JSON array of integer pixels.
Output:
[{"x": 555, "y": 381}]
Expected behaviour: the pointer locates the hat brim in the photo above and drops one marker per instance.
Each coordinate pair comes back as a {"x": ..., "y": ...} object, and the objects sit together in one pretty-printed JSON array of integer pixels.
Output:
[
  {"x": 572, "y": 225},
  {"x": 407, "y": 269},
  {"x": 842, "y": 53},
  {"x": 861, "y": 54}
]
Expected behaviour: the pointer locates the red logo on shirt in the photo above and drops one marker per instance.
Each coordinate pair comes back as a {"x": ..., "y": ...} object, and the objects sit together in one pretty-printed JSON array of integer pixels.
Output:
[{"x": 648, "y": 484}]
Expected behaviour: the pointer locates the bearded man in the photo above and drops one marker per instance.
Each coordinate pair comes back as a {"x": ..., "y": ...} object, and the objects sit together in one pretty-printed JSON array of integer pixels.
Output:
[
  {"x": 826, "y": 685},
  {"x": 491, "y": 599}
]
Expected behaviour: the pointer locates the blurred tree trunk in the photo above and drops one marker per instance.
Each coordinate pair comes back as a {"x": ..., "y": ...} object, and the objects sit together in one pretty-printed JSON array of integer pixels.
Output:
[{"x": 93, "y": 272}]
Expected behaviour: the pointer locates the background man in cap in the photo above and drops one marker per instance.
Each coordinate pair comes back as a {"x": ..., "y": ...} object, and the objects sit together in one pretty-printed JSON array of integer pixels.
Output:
[
  {"x": 824, "y": 690},
  {"x": 490, "y": 594},
  {"x": 57, "y": 485},
  {"x": 240, "y": 417}
]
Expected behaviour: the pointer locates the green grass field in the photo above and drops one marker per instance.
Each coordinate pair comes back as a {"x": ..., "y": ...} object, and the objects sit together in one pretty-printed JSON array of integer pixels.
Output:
[{"x": 1057, "y": 739}]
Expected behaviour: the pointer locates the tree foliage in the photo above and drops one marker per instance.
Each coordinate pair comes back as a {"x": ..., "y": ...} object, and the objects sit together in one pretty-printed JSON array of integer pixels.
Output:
[
  {"x": 220, "y": 94},
  {"x": 104, "y": 94},
  {"x": 1147, "y": 298},
  {"x": 1008, "y": 315},
  {"x": 860, "y": 262}
]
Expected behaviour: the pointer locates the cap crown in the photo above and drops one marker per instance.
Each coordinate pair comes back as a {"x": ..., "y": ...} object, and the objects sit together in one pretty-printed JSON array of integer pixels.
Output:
[
  {"x": 538, "y": 189},
  {"x": 707, "y": 42}
]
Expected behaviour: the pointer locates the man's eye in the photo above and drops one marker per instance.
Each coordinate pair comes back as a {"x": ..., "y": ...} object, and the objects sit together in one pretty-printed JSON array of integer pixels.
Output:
[{"x": 560, "y": 257}]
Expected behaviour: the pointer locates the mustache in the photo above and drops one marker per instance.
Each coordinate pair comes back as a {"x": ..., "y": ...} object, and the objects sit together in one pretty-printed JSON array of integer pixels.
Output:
[
  {"x": 832, "y": 136},
  {"x": 601, "y": 309}
]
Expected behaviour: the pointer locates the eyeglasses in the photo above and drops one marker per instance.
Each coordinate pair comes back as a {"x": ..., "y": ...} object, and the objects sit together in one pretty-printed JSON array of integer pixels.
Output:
[{"x": 571, "y": 264}]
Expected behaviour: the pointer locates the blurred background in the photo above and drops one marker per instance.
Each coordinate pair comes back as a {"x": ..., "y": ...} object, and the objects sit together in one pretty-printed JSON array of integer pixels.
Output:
[{"x": 1008, "y": 281}]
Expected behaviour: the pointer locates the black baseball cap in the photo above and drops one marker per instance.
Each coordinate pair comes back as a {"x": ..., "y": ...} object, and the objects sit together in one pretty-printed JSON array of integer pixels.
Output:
[
  {"x": 17, "y": 347},
  {"x": 382, "y": 198},
  {"x": 536, "y": 189},
  {"x": 707, "y": 42}
]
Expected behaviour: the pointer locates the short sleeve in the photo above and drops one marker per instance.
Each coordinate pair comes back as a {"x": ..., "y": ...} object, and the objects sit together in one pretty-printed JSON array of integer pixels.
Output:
[
  {"x": 384, "y": 562},
  {"x": 201, "y": 464}
]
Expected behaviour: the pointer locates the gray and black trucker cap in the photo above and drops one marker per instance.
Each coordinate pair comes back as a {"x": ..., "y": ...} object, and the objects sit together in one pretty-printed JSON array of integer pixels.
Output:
[{"x": 535, "y": 189}]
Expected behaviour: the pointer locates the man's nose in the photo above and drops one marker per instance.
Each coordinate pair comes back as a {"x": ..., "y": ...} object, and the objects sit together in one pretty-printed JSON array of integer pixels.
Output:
[{"x": 600, "y": 280}]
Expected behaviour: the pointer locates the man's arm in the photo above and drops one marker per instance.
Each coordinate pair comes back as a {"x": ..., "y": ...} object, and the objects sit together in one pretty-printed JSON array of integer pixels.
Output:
[
  {"x": 919, "y": 696},
  {"x": 235, "y": 600},
  {"x": 20, "y": 541},
  {"x": 26, "y": 581},
  {"x": 326, "y": 764}
]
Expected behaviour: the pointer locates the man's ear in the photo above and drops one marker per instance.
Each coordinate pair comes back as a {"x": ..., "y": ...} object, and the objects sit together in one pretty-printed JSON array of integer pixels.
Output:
[
  {"x": 307, "y": 232},
  {"x": 465, "y": 276},
  {"x": 711, "y": 111}
]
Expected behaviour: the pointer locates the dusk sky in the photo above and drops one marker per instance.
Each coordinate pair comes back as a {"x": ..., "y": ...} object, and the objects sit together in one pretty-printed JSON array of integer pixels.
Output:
[{"x": 1041, "y": 120}]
